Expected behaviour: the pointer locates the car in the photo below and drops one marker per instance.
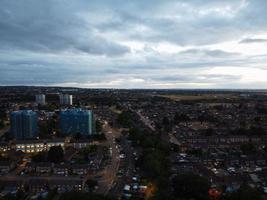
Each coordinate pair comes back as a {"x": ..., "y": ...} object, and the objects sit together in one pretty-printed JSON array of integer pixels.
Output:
[{"x": 122, "y": 156}]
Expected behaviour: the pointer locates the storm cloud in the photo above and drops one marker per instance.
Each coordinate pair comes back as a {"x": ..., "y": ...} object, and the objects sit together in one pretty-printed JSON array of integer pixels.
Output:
[{"x": 134, "y": 44}]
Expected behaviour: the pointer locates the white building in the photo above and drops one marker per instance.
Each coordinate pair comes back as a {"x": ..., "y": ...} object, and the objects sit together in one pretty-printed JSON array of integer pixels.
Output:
[
  {"x": 34, "y": 146},
  {"x": 40, "y": 99},
  {"x": 65, "y": 99}
]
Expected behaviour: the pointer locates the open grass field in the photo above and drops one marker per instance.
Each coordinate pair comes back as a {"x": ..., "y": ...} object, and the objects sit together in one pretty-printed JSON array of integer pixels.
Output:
[{"x": 199, "y": 97}]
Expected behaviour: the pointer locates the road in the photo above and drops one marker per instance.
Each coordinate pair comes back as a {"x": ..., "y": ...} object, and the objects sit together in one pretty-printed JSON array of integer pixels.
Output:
[
  {"x": 108, "y": 175},
  {"x": 173, "y": 139},
  {"x": 148, "y": 123},
  {"x": 109, "y": 183},
  {"x": 146, "y": 120},
  {"x": 127, "y": 165}
]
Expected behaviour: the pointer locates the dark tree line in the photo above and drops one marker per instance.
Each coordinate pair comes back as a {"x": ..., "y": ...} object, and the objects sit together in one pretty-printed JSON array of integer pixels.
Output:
[{"x": 55, "y": 155}]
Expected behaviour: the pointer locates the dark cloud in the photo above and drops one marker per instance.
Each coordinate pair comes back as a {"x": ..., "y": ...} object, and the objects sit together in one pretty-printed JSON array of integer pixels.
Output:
[
  {"x": 50, "y": 26},
  {"x": 178, "y": 78},
  {"x": 206, "y": 52},
  {"x": 109, "y": 42},
  {"x": 253, "y": 40},
  {"x": 189, "y": 22}
]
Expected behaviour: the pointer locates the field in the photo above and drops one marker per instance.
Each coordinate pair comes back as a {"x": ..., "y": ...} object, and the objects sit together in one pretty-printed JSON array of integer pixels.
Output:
[{"x": 179, "y": 97}]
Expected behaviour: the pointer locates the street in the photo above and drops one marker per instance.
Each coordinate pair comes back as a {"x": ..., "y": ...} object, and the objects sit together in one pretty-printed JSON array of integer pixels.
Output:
[
  {"x": 108, "y": 176},
  {"x": 146, "y": 120},
  {"x": 127, "y": 165}
]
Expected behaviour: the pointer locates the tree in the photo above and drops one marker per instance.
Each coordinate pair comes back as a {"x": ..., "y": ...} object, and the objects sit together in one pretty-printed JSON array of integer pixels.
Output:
[
  {"x": 124, "y": 119},
  {"x": 55, "y": 154},
  {"x": 154, "y": 163},
  {"x": 77, "y": 136},
  {"x": 43, "y": 130},
  {"x": 98, "y": 126},
  {"x": 191, "y": 186},
  {"x": 39, "y": 157},
  {"x": 209, "y": 132},
  {"x": 248, "y": 148},
  {"x": 175, "y": 148},
  {"x": 20, "y": 194},
  {"x": 180, "y": 118},
  {"x": 2, "y": 124},
  {"x": 83, "y": 196},
  {"x": 165, "y": 121},
  {"x": 88, "y": 150},
  {"x": 257, "y": 131},
  {"x": 205, "y": 117},
  {"x": 2, "y": 115},
  {"x": 51, "y": 194},
  {"x": 166, "y": 124},
  {"x": 8, "y": 197},
  {"x": 135, "y": 134},
  {"x": 91, "y": 184}
]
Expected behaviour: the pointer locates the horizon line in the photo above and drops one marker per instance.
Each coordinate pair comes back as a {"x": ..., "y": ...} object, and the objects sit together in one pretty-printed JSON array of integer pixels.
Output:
[{"x": 114, "y": 88}]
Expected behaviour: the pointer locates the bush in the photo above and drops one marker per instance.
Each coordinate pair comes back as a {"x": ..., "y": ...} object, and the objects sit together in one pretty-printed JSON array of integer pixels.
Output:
[
  {"x": 191, "y": 186},
  {"x": 55, "y": 154},
  {"x": 83, "y": 196}
]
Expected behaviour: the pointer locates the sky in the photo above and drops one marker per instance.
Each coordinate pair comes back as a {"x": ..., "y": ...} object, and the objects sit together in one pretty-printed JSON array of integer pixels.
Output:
[{"x": 165, "y": 44}]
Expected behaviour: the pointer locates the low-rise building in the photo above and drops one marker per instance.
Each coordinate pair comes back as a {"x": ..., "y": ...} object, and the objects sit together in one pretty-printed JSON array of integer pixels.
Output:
[
  {"x": 4, "y": 147},
  {"x": 43, "y": 167},
  {"x": 6, "y": 166},
  {"x": 34, "y": 146},
  {"x": 61, "y": 169},
  {"x": 80, "y": 169},
  {"x": 36, "y": 184}
]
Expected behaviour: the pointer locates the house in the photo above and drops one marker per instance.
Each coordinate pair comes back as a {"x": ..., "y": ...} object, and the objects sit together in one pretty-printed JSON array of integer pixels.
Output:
[
  {"x": 80, "y": 169},
  {"x": 36, "y": 184},
  {"x": 33, "y": 146},
  {"x": 4, "y": 147},
  {"x": 67, "y": 185},
  {"x": 61, "y": 169},
  {"x": 79, "y": 144},
  {"x": 62, "y": 185},
  {"x": 6, "y": 166},
  {"x": 30, "y": 167},
  {"x": 43, "y": 167}
]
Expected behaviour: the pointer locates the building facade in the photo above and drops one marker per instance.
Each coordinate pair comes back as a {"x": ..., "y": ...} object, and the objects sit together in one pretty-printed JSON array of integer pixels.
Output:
[
  {"x": 73, "y": 121},
  {"x": 40, "y": 99},
  {"x": 24, "y": 124},
  {"x": 34, "y": 146},
  {"x": 65, "y": 99}
]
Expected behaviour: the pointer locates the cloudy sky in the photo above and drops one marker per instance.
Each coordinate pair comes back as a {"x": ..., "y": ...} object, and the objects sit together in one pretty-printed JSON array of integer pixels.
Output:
[{"x": 134, "y": 43}]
